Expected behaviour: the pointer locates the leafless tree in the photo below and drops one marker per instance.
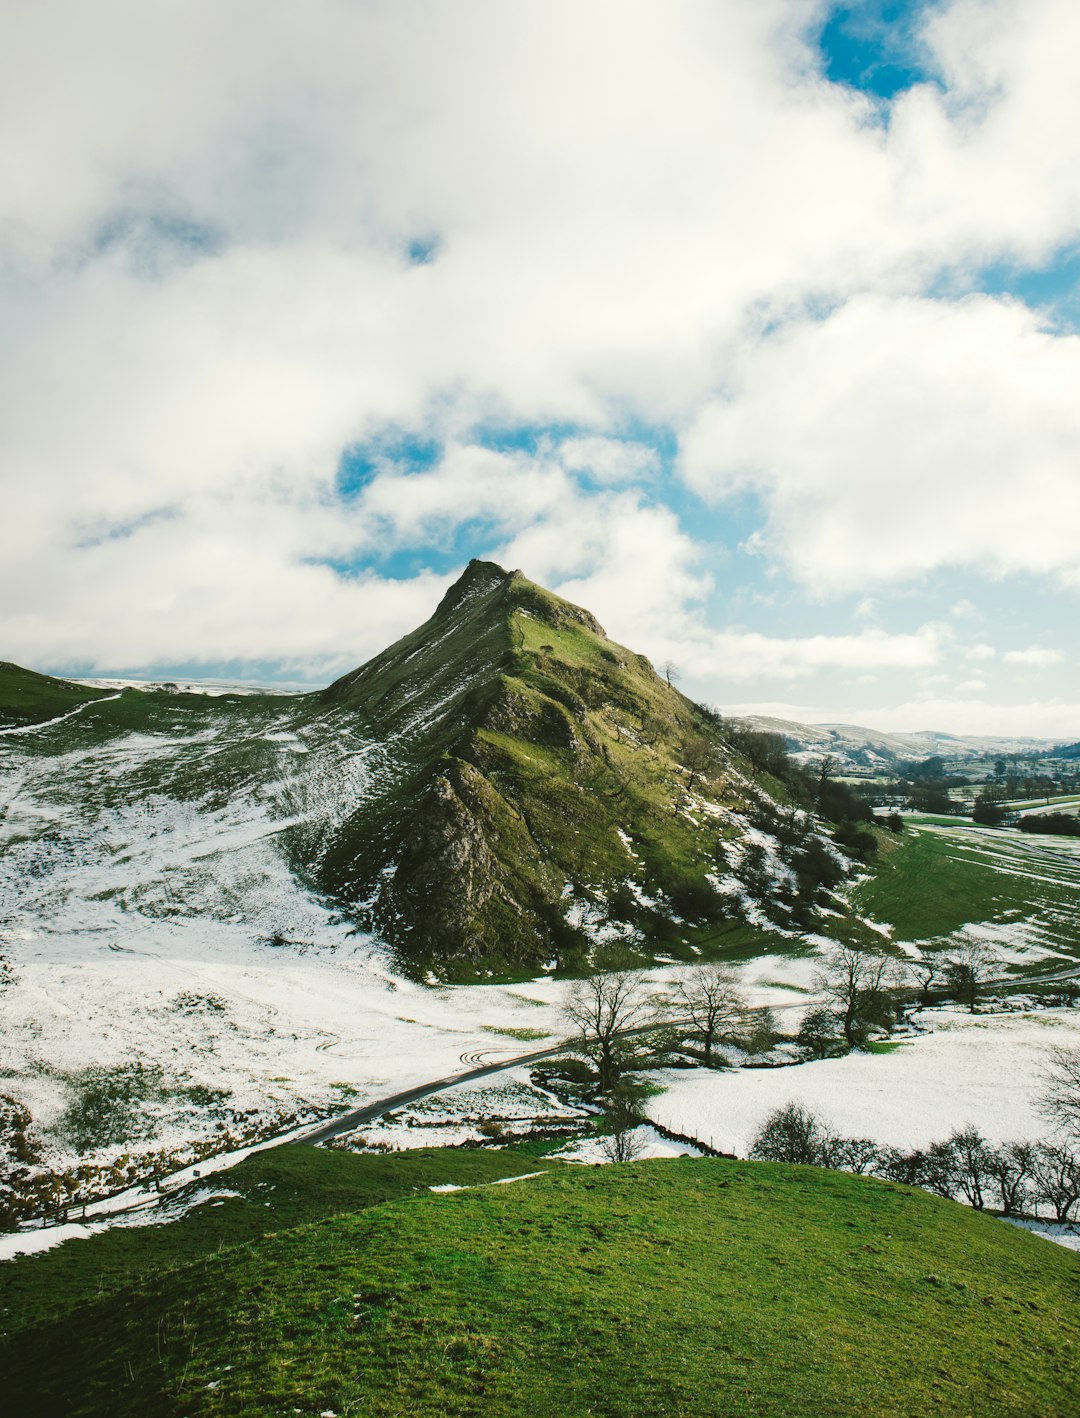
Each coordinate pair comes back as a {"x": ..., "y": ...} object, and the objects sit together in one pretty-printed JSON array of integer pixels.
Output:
[
  {"x": 623, "y": 1145},
  {"x": 1057, "y": 1179},
  {"x": 793, "y": 1133},
  {"x": 856, "y": 1154},
  {"x": 601, "y": 1009},
  {"x": 717, "y": 1007},
  {"x": 969, "y": 967},
  {"x": 697, "y": 756},
  {"x": 924, "y": 972},
  {"x": 671, "y": 672},
  {"x": 972, "y": 1164},
  {"x": 1059, "y": 1100},
  {"x": 1012, "y": 1168},
  {"x": 857, "y": 984}
]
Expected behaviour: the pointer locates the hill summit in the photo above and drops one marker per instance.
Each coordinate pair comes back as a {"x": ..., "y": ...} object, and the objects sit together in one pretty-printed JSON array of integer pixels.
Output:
[{"x": 552, "y": 799}]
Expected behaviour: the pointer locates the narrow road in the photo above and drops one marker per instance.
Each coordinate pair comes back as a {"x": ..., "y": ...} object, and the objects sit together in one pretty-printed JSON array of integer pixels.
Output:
[{"x": 347, "y": 1122}]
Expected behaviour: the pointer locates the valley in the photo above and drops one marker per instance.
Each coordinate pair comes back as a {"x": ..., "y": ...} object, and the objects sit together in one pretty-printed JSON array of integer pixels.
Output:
[{"x": 232, "y": 923}]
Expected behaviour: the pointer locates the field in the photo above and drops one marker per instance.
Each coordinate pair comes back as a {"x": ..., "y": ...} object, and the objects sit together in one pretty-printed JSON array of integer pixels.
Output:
[
  {"x": 662, "y": 1287},
  {"x": 982, "y": 1070},
  {"x": 942, "y": 881}
]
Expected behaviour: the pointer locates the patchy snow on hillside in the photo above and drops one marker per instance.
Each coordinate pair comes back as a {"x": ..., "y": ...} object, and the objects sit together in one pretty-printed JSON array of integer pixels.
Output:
[{"x": 978, "y": 1069}]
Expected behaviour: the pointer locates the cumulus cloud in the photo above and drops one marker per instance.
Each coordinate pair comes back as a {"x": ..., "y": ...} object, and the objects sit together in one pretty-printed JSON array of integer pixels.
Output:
[
  {"x": 914, "y": 433},
  {"x": 1036, "y": 656},
  {"x": 743, "y": 655},
  {"x": 609, "y": 460}
]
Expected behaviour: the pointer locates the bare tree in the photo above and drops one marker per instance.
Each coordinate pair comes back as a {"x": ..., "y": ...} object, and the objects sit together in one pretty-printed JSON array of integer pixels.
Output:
[
  {"x": 969, "y": 967},
  {"x": 697, "y": 756},
  {"x": 1057, "y": 1179},
  {"x": 924, "y": 972},
  {"x": 671, "y": 672},
  {"x": 1012, "y": 1168},
  {"x": 817, "y": 1032},
  {"x": 623, "y": 1146},
  {"x": 857, "y": 984},
  {"x": 602, "y": 1009},
  {"x": 856, "y": 1154},
  {"x": 972, "y": 1164},
  {"x": 717, "y": 1007},
  {"x": 1059, "y": 1100},
  {"x": 625, "y": 1108}
]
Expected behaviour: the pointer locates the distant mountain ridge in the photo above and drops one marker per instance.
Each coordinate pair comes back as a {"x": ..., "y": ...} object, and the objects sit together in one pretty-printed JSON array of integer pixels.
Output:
[{"x": 855, "y": 741}]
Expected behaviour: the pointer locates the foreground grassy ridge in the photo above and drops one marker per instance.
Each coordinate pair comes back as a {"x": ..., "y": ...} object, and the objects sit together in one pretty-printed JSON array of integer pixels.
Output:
[
  {"x": 934, "y": 880},
  {"x": 689, "y": 1287},
  {"x": 278, "y": 1189}
]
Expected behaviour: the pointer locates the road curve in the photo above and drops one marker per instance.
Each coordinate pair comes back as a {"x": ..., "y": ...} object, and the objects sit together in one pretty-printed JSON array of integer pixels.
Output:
[{"x": 347, "y": 1122}]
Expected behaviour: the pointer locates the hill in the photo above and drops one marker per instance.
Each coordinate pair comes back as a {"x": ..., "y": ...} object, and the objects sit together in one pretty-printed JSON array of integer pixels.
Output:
[
  {"x": 542, "y": 776},
  {"x": 503, "y": 791},
  {"x": 857, "y": 748},
  {"x": 29, "y": 698},
  {"x": 691, "y": 1287}
]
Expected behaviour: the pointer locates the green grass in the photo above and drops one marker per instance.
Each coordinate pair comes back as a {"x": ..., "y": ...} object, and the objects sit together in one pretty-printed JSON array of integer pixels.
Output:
[
  {"x": 280, "y": 1188},
  {"x": 29, "y": 698},
  {"x": 932, "y": 883},
  {"x": 690, "y": 1287}
]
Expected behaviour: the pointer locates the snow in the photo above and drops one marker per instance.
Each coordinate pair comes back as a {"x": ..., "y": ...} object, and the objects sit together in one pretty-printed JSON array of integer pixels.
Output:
[
  {"x": 28, "y": 1243},
  {"x": 155, "y": 1210},
  {"x": 978, "y": 1069},
  {"x": 1065, "y": 1234},
  {"x": 590, "y": 1150}
]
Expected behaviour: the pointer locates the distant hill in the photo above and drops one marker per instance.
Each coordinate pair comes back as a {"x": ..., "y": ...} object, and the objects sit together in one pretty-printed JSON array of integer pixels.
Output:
[
  {"x": 29, "y": 698},
  {"x": 861, "y": 747}
]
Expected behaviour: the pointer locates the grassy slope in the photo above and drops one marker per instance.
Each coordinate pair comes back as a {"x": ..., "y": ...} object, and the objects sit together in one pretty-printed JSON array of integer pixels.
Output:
[
  {"x": 29, "y": 698},
  {"x": 672, "y": 1287},
  {"x": 929, "y": 884},
  {"x": 279, "y": 1189}
]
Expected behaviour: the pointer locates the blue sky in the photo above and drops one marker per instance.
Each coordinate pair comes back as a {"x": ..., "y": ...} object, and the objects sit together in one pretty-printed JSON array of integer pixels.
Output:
[{"x": 753, "y": 328}]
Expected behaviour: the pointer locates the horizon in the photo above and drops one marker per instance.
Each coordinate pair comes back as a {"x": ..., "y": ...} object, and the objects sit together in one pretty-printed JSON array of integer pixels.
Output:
[{"x": 754, "y": 330}]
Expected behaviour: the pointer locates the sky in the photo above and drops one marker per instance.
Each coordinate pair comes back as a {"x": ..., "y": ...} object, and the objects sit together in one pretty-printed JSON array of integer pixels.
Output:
[{"x": 754, "y": 328}]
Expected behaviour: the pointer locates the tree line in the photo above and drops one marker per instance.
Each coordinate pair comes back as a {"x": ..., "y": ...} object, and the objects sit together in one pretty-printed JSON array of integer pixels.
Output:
[{"x": 1014, "y": 1178}]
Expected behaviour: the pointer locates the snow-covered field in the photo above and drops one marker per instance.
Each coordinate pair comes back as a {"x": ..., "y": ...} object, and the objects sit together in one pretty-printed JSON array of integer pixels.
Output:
[{"x": 980, "y": 1069}]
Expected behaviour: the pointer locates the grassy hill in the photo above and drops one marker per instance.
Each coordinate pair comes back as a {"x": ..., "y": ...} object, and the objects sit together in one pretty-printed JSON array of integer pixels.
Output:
[
  {"x": 942, "y": 875},
  {"x": 29, "y": 698},
  {"x": 687, "y": 1287},
  {"x": 551, "y": 790}
]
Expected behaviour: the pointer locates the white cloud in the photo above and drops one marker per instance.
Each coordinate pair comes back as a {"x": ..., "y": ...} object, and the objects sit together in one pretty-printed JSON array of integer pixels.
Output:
[
  {"x": 1037, "y": 656},
  {"x": 742, "y": 655},
  {"x": 609, "y": 460},
  {"x": 914, "y": 434},
  {"x": 204, "y": 232}
]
